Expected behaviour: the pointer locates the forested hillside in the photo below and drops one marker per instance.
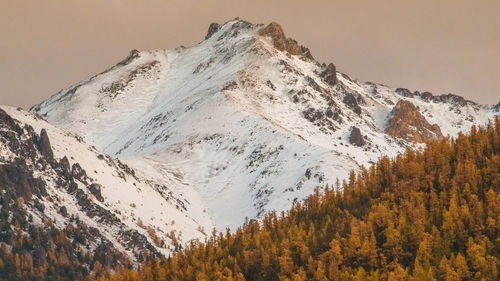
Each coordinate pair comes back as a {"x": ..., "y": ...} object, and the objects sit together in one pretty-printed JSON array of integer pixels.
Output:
[{"x": 430, "y": 215}]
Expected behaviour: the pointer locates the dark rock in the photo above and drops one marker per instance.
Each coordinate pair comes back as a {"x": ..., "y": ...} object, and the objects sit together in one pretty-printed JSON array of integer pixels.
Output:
[
  {"x": 306, "y": 53},
  {"x": 6, "y": 120},
  {"x": 426, "y": 96},
  {"x": 213, "y": 28},
  {"x": 38, "y": 205},
  {"x": 352, "y": 103},
  {"x": 63, "y": 211},
  {"x": 312, "y": 114},
  {"x": 329, "y": 74},
  {"x": 64, "y": 162},
  {"x": 310, "y": 81},
  {"x": 451, "y": 98},
  {"x": 78, "y": 172},
  {"x": 95, "y": 189},
  {"x": 308, "y": 173},
  {"x": 329, "y": 113},
  {"x": 12, "y": 140},
  {"x": 44, "y": 145},
  {"x": 333, "y": 113},
  {"x": 72, "y": 187},
  {"x": 16, "y": 177},
  {"x": 356, "y": 138},
  {"x": 404, "y": 92},
  {"x": 271, "y": 85}
]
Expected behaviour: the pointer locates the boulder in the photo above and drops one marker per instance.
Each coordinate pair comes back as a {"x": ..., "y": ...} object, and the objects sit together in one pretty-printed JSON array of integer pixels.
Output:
[{"x": 356, "y": 138}]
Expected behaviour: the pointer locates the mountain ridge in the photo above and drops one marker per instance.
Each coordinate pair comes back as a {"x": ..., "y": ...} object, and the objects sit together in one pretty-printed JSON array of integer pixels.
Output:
[{"x": 247, "y": 118}]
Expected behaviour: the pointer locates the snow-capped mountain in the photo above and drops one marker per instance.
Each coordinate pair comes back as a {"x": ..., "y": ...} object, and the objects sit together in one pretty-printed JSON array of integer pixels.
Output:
[
  {"x": 243, "y": 123},
  {"x": 61, "y": 178}
]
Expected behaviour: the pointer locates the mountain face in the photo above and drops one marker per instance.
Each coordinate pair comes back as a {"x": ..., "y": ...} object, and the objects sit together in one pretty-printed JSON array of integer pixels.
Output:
[
  {"x": 68, "y": 183},
  {"x": 243, "y": 123}
]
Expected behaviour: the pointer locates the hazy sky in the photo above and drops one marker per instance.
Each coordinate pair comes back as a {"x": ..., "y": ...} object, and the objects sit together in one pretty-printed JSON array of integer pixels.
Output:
[{"x": 440, "y": 45}]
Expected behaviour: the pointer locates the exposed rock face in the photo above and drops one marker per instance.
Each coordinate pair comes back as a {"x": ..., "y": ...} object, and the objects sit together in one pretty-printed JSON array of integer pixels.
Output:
[
  {"x": 352, "y": 103},
  {"x": 213, "y": 28},
  {"x": 429, "y": 97},
  {"x": 450, "y": 98},
  {"x": 30, "y": 170},
  {"x": 329, "y": 74},
  {"x": 409, "y": 124},
  {"x": 356, "y": 138},
  {"x": 44, "y": 145},
  {"x": 275, "y": 32},
  {"x": 404, "y": 92}
]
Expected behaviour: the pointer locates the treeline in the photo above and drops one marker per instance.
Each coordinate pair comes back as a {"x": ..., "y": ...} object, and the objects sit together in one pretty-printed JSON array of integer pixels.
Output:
[{"x": 430, "y": 215}]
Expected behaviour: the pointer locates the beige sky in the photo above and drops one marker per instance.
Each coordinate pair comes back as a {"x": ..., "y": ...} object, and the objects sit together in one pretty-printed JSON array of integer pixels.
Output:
[{"x": 440, "y": 45}]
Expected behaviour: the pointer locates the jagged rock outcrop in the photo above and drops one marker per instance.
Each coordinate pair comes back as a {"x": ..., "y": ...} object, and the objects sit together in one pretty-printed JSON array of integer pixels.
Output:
[
  {"x": 356, "y": 138},
  {"x": 329, "y": 74},
  {"x": 407, "y": 123},
  {"x": 213, "y": 28},
  {"x": 451, "y": 98},
  {"x": 59, "y": 177},
  {"x": 95, "y": 189},
  {"x": 282, "y": 43}
]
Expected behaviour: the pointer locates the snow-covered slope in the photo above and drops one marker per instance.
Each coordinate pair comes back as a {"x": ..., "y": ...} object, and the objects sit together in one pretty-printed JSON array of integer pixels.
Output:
[
  {"x": 246, "y": 118},
  {"x": 127, "y": 208}
]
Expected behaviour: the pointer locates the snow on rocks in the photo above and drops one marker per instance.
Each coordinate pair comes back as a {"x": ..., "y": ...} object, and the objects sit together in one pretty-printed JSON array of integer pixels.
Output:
[{"x": 238, "y": 125}]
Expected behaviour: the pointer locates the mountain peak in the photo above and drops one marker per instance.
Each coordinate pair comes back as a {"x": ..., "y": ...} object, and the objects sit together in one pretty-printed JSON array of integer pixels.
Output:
[{"x": 273, "y": 31}]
